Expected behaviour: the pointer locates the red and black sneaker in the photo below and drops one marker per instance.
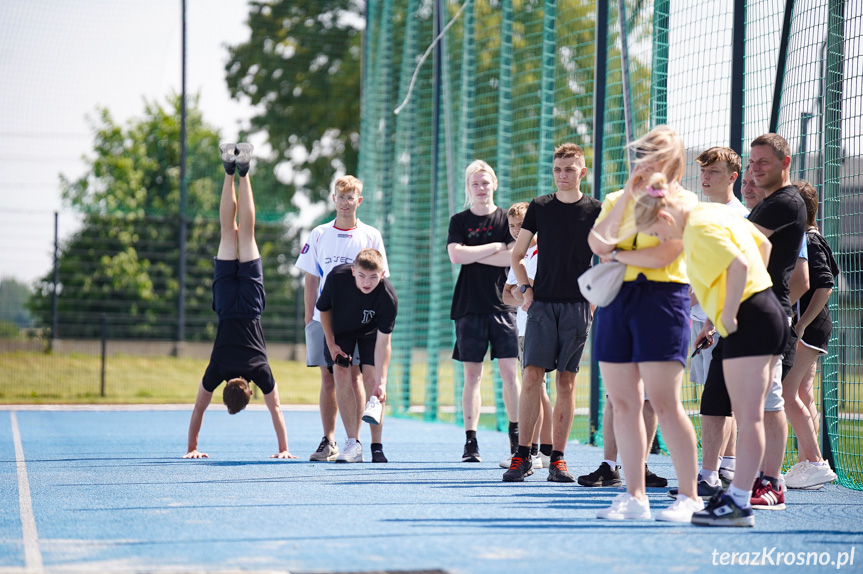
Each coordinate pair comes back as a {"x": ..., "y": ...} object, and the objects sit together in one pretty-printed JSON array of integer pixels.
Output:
[
  {"x": 765, "y": 497},
  {"x": 557, "y": 472},
  {"x": 518, "y": 469}
]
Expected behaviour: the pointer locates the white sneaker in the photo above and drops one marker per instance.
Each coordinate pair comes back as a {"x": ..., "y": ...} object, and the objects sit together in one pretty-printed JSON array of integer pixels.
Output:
[
  {"x": 626, "y": 507},
  {"x": 373, "y": 412},
  {"x": 810, "y": 475},
  {"x": 505, "y": 463},
  {"x": 797, "y": 468},
  {"x": 536, "y": 461},
  {"x": 353, "y": 451},
  {"x": 681, "y": 510},
  {"x": 546, "y": 460}
]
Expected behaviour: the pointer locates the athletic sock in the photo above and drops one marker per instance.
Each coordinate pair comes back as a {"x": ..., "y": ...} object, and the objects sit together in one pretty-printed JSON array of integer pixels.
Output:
[
  {"x": 470, "y": 434},
  {"x": 739, "y": 496},
  {"x": 377, "y": 446},
  {"x": 820, "y": 463},
  {"x": 556, "y": 455},
  {"x": 728, "y": 463},
  {"x": 545, "y": 449},
  {"x": 522, "y": 451},
  {"x": 774, "y": 482},
  {"x": 709, "y": 476},
  {"x": 534, "y": 449},
  {"x": 611, "y": 463},
  {"x": 513, "y": 436}
]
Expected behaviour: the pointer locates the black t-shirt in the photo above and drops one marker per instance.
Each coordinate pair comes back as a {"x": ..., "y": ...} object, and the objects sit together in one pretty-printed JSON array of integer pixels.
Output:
[
  {"x": 784, "y": 213},
  {"x": 479, "y": 288},
  {"x": 562, "y": 240},
  {"x": 355, "y": 313},
  {"x": 822, "y": 266},
  {"x": 240, "y": 349}
]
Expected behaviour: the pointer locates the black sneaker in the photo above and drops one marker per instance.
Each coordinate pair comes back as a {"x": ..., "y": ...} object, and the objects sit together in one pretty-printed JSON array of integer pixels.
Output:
[
  {"x": 244, "y": 158},
  {"x": 518, "y": 469},
  {"x": 602, "y": 476},
  {"x": 378, "y": 455},
  {"x": 471, "y": 451},
  {"x": 723, "y": 511},
  {"x": 653, "y": 481},
  {"x": 557, "y": 472},
  {"x": 228, "y": 154},
  {"x": 705, "y": 490}
]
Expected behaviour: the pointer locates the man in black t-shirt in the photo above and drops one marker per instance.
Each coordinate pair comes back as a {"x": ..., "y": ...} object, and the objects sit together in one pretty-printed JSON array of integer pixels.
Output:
[
  {"x": 558, "y": 316},
  {"x": 479, "y": 241},
  {"x": 358, "y": 308},
  {"x": 240, "y": 352}
]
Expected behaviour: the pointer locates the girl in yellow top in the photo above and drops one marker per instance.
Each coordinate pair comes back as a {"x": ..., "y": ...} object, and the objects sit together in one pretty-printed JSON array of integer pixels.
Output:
[
  {"x": 641, "y": 338},
  {"x": 726, "y": 258}
]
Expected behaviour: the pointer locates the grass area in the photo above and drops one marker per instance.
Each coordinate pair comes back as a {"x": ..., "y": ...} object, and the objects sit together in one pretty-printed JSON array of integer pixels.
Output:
[{"x": 33, "y": 377}]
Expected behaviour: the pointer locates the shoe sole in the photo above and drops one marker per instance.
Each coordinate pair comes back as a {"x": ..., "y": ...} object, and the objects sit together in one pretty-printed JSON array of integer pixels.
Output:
[
  {"x": 330, "y": 458},
  {"x": 768, "y": 507},
  {"x": 622, "y": 517},
  {"x": 553, "y": 478},
  {"x": 815, "y": 486},
  {"x": 518, "y": 479},
  {"x": 745, "y": 521},
  {"x": 371, "y": 420},
  {"x": 349, "y": 461},
  {"x": 471, "y": 458},
  {"x": 599, "y": 484}
]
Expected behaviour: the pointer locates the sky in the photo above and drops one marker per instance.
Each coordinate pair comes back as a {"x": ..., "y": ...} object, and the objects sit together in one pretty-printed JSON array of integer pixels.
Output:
[{"x": 63, "y": 59}]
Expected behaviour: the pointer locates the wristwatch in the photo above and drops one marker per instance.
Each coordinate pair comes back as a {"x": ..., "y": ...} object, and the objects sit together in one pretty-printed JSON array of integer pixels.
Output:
[
  {"x": 525, "y": 287},
  {"x": 614, "y": 255}
]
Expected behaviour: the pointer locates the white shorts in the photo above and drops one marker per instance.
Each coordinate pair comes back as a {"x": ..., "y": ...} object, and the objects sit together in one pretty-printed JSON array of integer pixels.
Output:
[{"x": 315, "y": 342}]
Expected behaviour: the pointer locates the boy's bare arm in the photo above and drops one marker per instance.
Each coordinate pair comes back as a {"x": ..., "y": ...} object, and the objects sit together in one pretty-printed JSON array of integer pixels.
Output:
[
  {"x": 383, "y": 351},
  {"x": 310, "y": 295},
  {"x": 272, "y": 401},
  {"x": 202, "y": 401}
]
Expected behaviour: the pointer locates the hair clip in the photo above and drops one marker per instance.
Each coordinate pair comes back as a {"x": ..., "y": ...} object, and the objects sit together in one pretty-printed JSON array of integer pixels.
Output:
[{"x": 655, "y": 191}]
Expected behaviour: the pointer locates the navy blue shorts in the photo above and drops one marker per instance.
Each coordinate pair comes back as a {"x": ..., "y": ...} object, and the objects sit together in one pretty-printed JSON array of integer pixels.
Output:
[
  {"x": 647, "y": 321},
  {"x": 238, "y": 289},
  {"x": 475, "y": 331}
]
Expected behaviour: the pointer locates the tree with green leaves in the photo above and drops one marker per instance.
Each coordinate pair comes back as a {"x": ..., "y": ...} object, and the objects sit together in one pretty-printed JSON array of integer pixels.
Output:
[
  {"x": 301, "y": 67},
  {"x": 123, "y": 262}
]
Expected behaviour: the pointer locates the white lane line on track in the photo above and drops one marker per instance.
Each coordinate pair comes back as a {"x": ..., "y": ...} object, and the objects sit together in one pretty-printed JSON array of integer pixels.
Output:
[{"x": 32, "y": 554}]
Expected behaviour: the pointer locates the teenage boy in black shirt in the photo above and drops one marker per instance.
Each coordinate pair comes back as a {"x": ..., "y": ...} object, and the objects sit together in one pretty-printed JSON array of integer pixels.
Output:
[
  {"x": 358, "y": 308},
  {"x": 240, "y": 351},
  {"x": 559, "y": 317}
]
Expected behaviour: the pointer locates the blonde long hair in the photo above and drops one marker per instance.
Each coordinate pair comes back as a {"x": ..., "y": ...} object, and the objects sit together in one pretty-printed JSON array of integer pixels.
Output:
[{"x": 473, "y": 167}]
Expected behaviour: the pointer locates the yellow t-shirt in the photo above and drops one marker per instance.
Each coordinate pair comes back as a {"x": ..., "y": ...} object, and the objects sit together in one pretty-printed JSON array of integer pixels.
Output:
[
  {"x": 674, "y": 272},
  {"x": 713, "y": 237}
]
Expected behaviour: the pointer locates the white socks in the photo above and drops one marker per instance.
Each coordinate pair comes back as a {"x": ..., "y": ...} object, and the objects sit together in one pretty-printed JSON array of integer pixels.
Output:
[{"x": 739, "y": 496}]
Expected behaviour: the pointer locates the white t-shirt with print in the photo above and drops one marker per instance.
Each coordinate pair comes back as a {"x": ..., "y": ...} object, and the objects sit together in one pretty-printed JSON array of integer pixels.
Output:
[{"x": 530, "y": 259}]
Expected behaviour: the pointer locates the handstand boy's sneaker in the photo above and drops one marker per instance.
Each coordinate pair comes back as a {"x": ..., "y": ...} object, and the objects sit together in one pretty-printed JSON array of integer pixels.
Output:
[
  {"x": 681, "y": 510},
  {"x": 723, "y": 511},
  {"x": 557, "y": 472},
  {"x": 244, "y": 158},
  {"x": 625, "y": 507},
  {"x": 228, "y": 154},
  {"x": 705, "y": 490},
  {"x": 808, "y": 476},
  {"x": 602, "y": 476},
  {"x": 651, "y": 480},
  {"x": 764, "y": 497},
  {"x": 518, "y": 469},
  {"x": 328, "y": 450},
  {"x": 353, "y": 451},
  {"x": 471, "y": 451},
  {"x": 373, "y": 412}
]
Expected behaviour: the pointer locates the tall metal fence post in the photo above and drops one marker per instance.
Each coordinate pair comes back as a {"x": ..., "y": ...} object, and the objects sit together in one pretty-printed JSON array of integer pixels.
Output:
[
  {"x": 832, "y": 167},
  {"x": 738, "y": 83},
  {"x": 600, "y": 75},
  {"x": 181, "y": 266}
]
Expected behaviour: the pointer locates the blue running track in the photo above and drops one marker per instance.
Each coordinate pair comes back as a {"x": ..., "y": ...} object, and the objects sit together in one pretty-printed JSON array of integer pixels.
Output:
[{"x": 108, "y": 491}]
